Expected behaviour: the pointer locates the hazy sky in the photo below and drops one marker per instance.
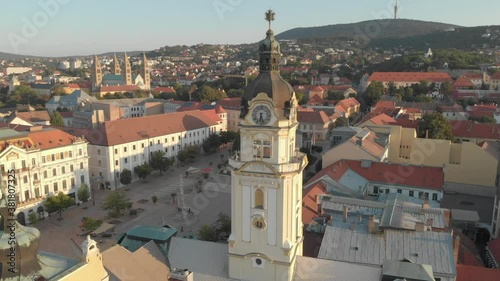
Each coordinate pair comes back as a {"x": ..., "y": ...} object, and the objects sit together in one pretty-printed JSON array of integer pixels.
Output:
[{"x": 84, "y": 27}]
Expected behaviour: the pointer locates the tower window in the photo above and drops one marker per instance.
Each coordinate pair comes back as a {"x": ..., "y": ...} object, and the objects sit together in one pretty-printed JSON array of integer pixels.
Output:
[
  {"x": 259, "y": 199},
  {"x": 262, "y": 149}
]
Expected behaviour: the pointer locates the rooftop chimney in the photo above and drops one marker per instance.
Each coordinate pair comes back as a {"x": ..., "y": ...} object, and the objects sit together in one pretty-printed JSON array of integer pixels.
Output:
[
  {"x": 456, "y": 247},
  {"x": 425, "y": 205},
  {"x": 430, "y": 222},
  {"x": 181, "y": 275},
  {"x": 371, "y": 224},
  {"x": 419, "y": 227},
  {"x": 320, "y": 209},
  {"x": 344, "y": 213}
]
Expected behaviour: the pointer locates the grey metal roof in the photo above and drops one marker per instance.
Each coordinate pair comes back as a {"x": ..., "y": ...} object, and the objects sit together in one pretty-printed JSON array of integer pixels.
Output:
[
  {"x": 464, "y": 215},
  {"x": 199, "y": 256},
  {"x": 394, "y": 213},
  {"x": 432, "y": 248},
  {"x": 407, "y": 270},
  {"x": 312, "y": 269}
]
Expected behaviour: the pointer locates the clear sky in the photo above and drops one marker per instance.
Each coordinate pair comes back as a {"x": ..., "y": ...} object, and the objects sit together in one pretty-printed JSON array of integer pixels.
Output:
[{"x": 84, "y": 27}]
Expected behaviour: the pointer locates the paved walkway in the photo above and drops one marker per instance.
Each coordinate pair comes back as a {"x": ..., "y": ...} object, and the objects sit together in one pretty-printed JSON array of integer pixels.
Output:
[{"x": 63, "y": 237}]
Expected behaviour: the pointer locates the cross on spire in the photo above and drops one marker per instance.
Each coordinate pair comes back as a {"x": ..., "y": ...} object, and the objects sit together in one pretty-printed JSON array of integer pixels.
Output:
[{"x": 270, "y": 17}]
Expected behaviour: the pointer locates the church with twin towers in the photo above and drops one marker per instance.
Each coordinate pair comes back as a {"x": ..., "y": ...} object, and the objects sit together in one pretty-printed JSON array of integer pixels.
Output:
[{"x": 121, "y": 74}]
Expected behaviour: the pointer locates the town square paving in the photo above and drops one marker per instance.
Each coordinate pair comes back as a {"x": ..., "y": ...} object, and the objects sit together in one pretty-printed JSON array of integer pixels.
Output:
[{"x": 64, "y": 237}]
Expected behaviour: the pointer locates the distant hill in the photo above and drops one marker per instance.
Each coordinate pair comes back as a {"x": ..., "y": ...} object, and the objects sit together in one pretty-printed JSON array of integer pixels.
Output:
[
  {"x": 378, "y": 29},
  {"x": 8, "y": 56},
  {"x": 464, "y": 38}
]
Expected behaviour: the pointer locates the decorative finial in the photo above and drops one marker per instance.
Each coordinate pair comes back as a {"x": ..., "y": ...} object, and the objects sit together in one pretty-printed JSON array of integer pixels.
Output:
[{"x": 270, "y": 15}]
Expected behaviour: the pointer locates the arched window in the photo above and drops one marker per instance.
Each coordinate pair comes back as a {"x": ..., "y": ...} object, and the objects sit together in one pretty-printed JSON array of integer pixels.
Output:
[
  {"x": 35, "y": 176},
  {"x": 259, "y": 199}
]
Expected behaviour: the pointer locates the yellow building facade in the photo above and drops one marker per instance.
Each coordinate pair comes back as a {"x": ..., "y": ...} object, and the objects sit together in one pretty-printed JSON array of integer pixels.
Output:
[{"x": 465, "y": 163}]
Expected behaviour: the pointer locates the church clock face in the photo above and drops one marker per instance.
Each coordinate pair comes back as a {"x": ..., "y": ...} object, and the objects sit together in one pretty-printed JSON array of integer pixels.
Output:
[{"x": 261, "y": 115}]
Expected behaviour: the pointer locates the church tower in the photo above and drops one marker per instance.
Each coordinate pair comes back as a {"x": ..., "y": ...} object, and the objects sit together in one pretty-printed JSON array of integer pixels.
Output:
[
  {"x": 145, "y": 72},
  {"x": 96, "y": 73},
  {"x": 127, "y": 74},
  {"x": 116, "y": 66},
  {"x": 266, "y": 178}
]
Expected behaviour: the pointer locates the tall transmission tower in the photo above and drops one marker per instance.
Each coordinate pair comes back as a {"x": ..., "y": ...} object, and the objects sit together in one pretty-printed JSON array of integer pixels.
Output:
[{"x": 396, "y": 8}]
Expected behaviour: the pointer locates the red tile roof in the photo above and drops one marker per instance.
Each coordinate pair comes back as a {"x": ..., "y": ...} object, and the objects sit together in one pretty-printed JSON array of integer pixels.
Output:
[
  {"x": 315, "y": 99},
  {"x": 386, "y": 104},
  {"x": 420, "y": 176},
  {"x": 309, "y": 205},
  {"x": 412, "y": 110},
  {"x": 230, "y": 103},
  {"x": 475, "y": 76},
  {"x": 316, "y": 117},
  {"x": 410, "y": 77},
  {"x": 494, "y": 248},
  {"x": 140, "y": 128},
  {"x": 463, "y": 82},
  {"x": 378, "y": 119},
  {"x": 405, "y": 123},
  {"x": 496, "y": 76},
  {"x": 453, "y": 108},
  {"x": 34, "y": 116},
  {"x": 219, "y": 109},
  {"x": 348, "y": 103},
  {"x": 66, "y": 114},
  {"x": 334, "y": 171},
  {"x": 476, "y": 273},
  {"x": 72, "y": 86},
  {"x": 51, "y": 138},
  {"x": 469, "y": 129}
]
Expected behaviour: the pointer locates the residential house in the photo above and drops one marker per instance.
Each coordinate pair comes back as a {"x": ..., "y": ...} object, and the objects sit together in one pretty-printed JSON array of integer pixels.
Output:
[
  {"x": 375, "y": 118},
  {"x": 314, "y": 123},
  {"x": 30, "y": 118},
  {"x": 481, "y": 110},
  {"x": 71, "y": 102},
  {"x": 339, "y": 135},
  {"x": 407, "y": 79},
  {"x": 453, "y": 112},
  {"x": 42, "y": 89},
  {"x": 364, "y": 145},
  {"x": 369, "y": 177},
  {"x": 127, "y": 143},
  {"x": 46, "y": 162},
  {"x": 347, "y": 107},
  {"x": 469, "y": 131},
  {"x": 68, "y": 88},
  {"x": 495, "y": 81},
  {"x": 67, "y": 118}
]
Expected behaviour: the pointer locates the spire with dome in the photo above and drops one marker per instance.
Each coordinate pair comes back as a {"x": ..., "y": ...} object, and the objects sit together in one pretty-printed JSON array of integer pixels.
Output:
[{"x": 269, "y": 80}]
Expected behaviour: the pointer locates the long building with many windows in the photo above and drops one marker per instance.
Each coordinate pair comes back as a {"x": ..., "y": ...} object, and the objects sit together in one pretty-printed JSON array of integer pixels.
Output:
[
  {"x": 127, "y": 143},
  {"x": 44, "y": 163}
]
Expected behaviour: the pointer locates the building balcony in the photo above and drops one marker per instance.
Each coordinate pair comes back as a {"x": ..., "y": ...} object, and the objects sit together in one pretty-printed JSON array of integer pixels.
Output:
[{"x": 31, "y": 201}]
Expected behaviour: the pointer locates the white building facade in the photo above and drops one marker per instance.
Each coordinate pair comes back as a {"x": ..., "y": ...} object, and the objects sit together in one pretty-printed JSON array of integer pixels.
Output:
[
  {"x": 111, "y": 153},
  {"x": 44, "y": 163}
]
